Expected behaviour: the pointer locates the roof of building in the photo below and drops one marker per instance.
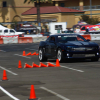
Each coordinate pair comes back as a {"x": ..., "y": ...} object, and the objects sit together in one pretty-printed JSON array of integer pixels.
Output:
[{"x": 50, "y": 10}]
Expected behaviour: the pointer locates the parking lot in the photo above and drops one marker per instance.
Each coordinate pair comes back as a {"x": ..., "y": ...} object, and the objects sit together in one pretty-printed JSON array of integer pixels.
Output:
[{"x": 74, "y": 80}]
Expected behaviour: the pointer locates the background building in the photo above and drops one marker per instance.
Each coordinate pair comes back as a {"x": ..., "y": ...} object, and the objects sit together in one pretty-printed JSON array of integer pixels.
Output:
[
  {"x": 11, "y": 10},
  {"x": 53, "y": 13}
]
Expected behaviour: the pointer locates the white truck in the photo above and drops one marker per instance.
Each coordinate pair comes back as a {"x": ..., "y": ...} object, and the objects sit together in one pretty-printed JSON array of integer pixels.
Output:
[
  {"x": 57, "y": 27},
  {"x": 9, "y": 32}
]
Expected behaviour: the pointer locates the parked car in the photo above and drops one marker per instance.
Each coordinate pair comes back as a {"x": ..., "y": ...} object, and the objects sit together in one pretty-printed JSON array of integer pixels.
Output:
[
  {"x": 90, "y": 28},
  {"x": 4, "y": 31},
  {"x": 46, "y": 33},
  {"x": 69, "y": 31},
  {"x": 67, "y": 46}
]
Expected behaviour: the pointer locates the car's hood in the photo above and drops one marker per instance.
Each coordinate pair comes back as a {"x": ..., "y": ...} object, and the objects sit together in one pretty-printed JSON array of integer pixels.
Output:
[{"x": 80, "y": 43}]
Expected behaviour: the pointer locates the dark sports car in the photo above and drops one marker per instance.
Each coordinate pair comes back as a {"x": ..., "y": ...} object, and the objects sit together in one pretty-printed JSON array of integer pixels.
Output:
[{"x": 67, "y": 46}]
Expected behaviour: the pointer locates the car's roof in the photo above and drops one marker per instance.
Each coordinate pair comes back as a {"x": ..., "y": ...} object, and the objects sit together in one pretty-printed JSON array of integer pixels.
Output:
[{"x": 63, "y": 34}]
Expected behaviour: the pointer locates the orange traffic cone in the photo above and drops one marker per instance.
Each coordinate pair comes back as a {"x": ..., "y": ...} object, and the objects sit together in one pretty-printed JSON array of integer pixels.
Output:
[
  {"x": 50, "y": 65},
  {"x": 32, "y": 94},
  {"x": 33, "y": 53},
  {"x": 24, "y": 53},
  {"x": 57, "y": 63},
  {"x": 28, "y": 54},
  {"x": 19, "y": 64},
  {"x": 4, "y": 75},
  {"x": 35, "y": 65},
  {"x": 37, "y": 54},
  {"x": 42, "y": 65},
  {"x": 27, "y": 66}
]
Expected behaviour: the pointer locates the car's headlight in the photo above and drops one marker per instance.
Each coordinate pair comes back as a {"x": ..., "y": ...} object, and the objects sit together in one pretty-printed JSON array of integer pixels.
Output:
[{"x": 69, "y": 48}]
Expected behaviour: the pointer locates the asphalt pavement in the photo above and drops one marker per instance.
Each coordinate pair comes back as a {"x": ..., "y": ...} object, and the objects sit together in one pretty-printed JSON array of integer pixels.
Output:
[{"x": 74, "y": 80}]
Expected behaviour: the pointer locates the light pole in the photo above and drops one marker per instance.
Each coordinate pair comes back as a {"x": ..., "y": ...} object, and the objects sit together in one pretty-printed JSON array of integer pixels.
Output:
[{"x": 90, "y": 9}]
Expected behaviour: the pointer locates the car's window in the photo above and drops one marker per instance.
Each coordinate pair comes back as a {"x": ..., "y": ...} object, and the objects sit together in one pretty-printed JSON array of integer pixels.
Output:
[
  {"x": 5, "y": 31},
  {"x": 0, "y": 31},
  {"x": 52, "y": 38},
  {"x": 11, "y": 31},
  {"x": 83, "y": 28},
  {"x": 66, "y": 38},
  {"x": 48, "y": 39}
]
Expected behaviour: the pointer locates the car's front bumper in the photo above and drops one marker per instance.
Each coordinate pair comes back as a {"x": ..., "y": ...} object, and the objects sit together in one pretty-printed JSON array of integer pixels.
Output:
[{"x": 86, "y": 55}]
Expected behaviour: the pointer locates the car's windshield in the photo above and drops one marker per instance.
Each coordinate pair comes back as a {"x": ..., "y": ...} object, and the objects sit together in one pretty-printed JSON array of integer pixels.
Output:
[{"x": 66, "y": 38}]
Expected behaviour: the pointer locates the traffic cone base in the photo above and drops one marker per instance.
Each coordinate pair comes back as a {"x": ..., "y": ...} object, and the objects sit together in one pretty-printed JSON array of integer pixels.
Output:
[
  {"x": 28, "y": 54},
  {"x": 24, "y": 53},
  {"x": 57, "y": 63},
  {"x": 37, "y": 54},
  {"x": 27, "y": 66},
  {"x": 33, "y": 53},
  {"x": 35, "y": 65},
  {"x": 32, "y": 94},
  {"x": 33, "y": 99},
  {"x": 50, "y": 65},
  {"x": 19, "y": 64},
  {"x": 42, "y": 65},
  {"x": 4, "y": 76}
]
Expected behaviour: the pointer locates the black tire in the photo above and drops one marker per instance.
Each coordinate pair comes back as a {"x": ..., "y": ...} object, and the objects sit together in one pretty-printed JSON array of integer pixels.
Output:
[
  {"x": 94, "y": 59},
  {"x": 60, "y": 56},
  {"x": 41, "y": 55}
]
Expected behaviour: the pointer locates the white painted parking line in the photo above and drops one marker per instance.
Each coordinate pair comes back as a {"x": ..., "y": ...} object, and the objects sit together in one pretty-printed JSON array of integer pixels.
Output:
[
  {"x": 8, "y": 71},
  {"x": 56, "y": 94},
  {"x": 10, "y": 95},
  {"x": 71, "y": 68},
  {"x": 22, "y": 56}
]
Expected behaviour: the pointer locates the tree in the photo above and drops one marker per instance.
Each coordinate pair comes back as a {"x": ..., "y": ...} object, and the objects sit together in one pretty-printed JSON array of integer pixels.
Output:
[
  {"x": 89, "y": 20},
  {"x": 38, "y": 7}
]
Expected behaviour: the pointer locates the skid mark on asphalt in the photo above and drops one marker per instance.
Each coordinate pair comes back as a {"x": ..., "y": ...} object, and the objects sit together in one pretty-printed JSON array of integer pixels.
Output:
[
  {"x": 70, "y": 68},
  {"x": 22, "y": 56},
  {"x": 8, "y": 70},
  {"x": 10, "y": 95},
  {"x": 56, "y": 94}
]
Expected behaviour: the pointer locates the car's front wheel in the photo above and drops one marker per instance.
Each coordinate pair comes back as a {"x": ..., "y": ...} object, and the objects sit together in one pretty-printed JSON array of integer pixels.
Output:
[
  {"x": 41, "y": 55},
  {"x": 60, "y": 55}
]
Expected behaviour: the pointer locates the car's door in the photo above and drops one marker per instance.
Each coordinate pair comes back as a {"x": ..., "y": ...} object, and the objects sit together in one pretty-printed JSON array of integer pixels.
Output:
[
  {"x": 51, "y": 46},
  {"x": 11, "y": 32},
  {"x": 6, "y": 32},
  {"x": 47, "y": 47}
]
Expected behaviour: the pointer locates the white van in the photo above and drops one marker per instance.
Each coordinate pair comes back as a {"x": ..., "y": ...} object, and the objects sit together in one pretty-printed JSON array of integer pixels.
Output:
[
  {"x": 4, "y": 31},
  {"x": 10, "y": 32}
]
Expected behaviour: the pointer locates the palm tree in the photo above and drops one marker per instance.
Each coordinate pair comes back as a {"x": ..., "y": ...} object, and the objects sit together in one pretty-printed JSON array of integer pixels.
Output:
[{"x": 38, "y": 7}]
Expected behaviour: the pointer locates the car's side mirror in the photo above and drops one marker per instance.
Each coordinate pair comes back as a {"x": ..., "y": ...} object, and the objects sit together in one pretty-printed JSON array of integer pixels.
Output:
[{"x": 88, "y": 40}]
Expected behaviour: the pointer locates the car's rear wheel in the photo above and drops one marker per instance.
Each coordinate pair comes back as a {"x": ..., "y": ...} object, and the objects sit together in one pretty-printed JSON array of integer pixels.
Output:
[
  {"x": 60, "y": 56},
  {"x": 41, "y": 55},
  {"x": 94, "y": 59}
]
